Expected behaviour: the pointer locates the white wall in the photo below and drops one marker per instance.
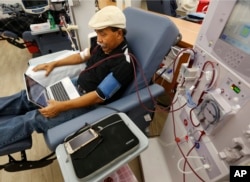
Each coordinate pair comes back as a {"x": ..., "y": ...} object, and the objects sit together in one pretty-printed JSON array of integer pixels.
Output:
[
  {"x": 9, "y": 1},
  {"x": 80, "y": 16},
  {"x": 127, "y": 3},
  {"x": 6, "y": 2}
]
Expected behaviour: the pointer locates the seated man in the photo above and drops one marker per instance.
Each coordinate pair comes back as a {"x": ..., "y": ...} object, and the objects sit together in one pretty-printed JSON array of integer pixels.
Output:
[{"x": 105, "y": 81}]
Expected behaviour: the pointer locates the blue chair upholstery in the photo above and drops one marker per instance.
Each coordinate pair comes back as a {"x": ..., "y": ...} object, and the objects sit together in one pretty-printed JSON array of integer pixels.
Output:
[
  {"x": 150, "y": 36},
  {"x": 49, "y": 42}
]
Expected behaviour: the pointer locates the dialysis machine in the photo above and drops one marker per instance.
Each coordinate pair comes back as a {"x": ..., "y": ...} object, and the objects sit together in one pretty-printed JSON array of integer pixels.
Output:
[{"x": 208, "y": 125}]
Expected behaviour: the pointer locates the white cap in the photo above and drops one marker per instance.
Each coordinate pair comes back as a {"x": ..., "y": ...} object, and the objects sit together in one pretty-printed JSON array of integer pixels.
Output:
[{"x": 109, "y": 16}]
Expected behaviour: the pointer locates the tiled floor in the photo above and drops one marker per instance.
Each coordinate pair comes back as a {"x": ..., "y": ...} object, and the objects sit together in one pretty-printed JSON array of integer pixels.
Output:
[{"x": 154, "y": 130}]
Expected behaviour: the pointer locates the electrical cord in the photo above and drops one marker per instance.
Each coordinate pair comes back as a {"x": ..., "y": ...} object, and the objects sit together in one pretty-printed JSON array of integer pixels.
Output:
[
  {"x": 85, "y": 127},
  {"x": 100, "y": 137},
  {"x": 111, "y": 124},
  {"x": 100, "y": 140}
]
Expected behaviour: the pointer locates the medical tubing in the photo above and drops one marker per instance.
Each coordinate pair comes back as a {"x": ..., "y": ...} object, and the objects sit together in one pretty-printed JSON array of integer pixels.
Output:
[
  {"x": 176, "y": 49},
  {"x": 201, "y": 74},
  {"x": 101, "y": 61},
  {"x": 146, "y": 83},
  {"x": 199, "y": 139},
  {"x": 149, "y": 91},
  {"x": 185, "y": 50},
  {"x": 204, "y": 92},
  {"x": 62, "y": 18},
  {"x": 134, "y": 60},
  {"x": 191, "y": 118},
  {"x": 158, "y": 76},
  {"x": 179, "y": 108},
  {"x": 189, "y": 172},
  {"x": 180, "y": 54},
  {"x": 111, "y": 57},
  {"x": 163, "y": 71},
  {"x": 177, "y": 143}
]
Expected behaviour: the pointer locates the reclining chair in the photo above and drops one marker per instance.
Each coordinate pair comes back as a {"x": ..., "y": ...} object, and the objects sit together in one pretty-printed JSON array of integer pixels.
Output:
[
  {"x": 150, "y": 36},
  {"x": 48, "y": 43}
]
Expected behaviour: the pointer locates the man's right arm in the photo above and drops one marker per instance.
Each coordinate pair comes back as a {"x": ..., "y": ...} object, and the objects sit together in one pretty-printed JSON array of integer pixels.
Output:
[
  {"x": 74, "y": 58},
  {"x": 69, "y": 60}
]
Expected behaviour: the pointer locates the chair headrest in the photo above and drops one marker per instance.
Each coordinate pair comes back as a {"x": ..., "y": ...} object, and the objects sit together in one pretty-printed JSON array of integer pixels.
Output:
[{"x": 150, "y": 37}]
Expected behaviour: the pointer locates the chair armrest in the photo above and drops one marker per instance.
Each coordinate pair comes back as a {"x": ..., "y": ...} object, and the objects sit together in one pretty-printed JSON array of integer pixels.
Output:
[
  {"x": 10, "y": 34},
  {"x": 58, "y": 73},
  {"x": 55, "y": 136},
  {"x": 131, "y": 101}
]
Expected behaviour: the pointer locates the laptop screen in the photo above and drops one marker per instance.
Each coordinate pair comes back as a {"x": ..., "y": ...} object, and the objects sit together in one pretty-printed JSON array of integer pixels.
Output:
[{"x": 36, "y": 93}]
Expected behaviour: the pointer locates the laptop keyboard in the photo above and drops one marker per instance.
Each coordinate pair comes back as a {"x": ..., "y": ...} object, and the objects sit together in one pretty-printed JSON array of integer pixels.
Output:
[{"x": 59, "y": 92}]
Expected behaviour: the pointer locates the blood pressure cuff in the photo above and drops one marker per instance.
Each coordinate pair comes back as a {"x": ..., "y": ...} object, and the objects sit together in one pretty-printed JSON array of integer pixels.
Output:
[{"x": 108, "y": 87}]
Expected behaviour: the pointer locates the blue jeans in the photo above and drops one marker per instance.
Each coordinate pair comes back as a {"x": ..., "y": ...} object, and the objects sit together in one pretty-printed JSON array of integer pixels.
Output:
[{"x": 22, "y": 118}]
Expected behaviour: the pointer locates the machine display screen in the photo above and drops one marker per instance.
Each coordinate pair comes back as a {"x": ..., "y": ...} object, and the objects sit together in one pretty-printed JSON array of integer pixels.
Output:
[
  {"x": 34, "y": 3},
  {"x": 237, "y": 28}
]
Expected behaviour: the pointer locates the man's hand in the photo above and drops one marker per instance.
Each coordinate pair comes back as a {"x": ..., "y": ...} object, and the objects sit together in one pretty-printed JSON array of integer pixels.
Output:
[
  {"x": 48, "y": 67},
  {"x": 52, "y": 110}
]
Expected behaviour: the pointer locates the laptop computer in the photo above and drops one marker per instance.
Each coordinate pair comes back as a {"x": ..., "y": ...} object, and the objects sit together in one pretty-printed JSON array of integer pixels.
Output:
[{"x": 60, "y": 91}]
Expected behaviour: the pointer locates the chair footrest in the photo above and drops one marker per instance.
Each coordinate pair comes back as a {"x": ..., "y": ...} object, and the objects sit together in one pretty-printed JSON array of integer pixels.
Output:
[
  {"x": 15, "y": 166},
  {"x": 23, "y": 164}
]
